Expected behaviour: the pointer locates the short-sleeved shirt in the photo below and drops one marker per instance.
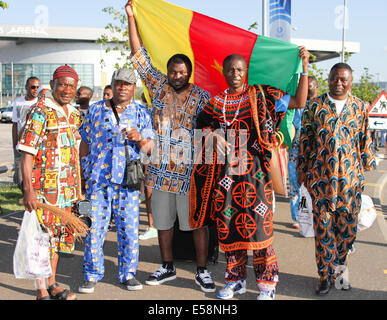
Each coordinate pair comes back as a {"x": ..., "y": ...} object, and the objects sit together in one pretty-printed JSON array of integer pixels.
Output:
[
  {"x": 49, "y": 136},
  {"x": 20, "y": 109},
  {"x": 173, "y": 117},
  {"x": 105, "y": 164}
]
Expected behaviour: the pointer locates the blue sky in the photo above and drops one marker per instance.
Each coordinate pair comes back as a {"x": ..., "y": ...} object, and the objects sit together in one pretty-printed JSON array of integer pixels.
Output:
[{"x": 311, "y": 20}]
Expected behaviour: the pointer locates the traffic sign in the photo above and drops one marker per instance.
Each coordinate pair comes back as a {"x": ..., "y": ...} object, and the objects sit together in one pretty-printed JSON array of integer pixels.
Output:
[
  {"x": 377, "y": 123},
  {"x": 379, "y": 107}
]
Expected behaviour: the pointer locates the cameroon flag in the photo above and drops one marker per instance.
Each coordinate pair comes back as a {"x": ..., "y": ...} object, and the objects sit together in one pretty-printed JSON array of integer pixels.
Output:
[{"x": 167, "y": 29}]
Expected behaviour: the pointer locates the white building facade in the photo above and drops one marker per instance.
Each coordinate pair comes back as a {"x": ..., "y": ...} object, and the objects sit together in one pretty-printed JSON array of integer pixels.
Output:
[{"x": 27, "y": 51}]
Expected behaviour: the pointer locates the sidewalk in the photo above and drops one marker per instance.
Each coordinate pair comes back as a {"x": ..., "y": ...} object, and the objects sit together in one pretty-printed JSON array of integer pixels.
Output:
[
  {"x": 298, "y": 276},
  {"x": 376, "y": 181}
]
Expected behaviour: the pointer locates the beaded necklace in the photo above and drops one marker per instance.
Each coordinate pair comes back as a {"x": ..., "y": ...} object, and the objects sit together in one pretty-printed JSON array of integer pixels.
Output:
[{"x": 236, "y": 113}]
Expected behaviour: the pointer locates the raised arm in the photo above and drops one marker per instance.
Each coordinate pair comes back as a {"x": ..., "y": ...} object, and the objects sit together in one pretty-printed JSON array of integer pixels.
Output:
[
  {"x": 134, "y": 36},
  {"x": 299, "y": 99}
]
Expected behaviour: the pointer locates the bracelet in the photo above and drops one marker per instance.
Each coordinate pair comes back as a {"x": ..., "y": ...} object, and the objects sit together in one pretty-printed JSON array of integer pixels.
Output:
[{"x": 304, "y": 74}]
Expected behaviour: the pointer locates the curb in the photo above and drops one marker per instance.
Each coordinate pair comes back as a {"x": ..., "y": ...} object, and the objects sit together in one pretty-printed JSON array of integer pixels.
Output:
[
  {"x": 382, "y": 181},
  {"x": 377, "y": 198}
]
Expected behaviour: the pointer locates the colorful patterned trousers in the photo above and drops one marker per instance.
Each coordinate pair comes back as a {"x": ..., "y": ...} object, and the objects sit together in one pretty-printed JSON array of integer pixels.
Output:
[
  {"x": 124, "y": 205},
  {"x": 265, "y": 267},
  {"x": 335, "y": 233}
]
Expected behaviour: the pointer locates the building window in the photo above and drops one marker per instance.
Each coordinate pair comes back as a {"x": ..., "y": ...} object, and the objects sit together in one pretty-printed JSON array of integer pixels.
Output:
[{"x": 21, "y": 72}]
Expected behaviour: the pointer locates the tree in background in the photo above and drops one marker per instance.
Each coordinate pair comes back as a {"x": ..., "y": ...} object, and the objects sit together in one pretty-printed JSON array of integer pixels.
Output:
[
  {"x": 366, "y": 89},
  {"x": 320, "y": 75},
  {"x": 3, "y": 5},
  {"x": 117, "y": 39},
  {"x": 113, "y": 40}
]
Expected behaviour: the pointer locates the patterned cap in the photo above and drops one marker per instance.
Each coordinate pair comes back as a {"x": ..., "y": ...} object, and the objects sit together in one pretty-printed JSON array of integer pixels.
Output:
[{"x": 65, "y": 71}]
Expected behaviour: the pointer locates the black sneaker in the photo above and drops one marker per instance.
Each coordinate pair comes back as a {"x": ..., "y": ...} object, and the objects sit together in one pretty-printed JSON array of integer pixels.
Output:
[
  {"x": 204, "y": 280},
  {"x": 132, "y": 284},
  {"x": 87, "y": 287},
  {"x": 161, "y": 275}
]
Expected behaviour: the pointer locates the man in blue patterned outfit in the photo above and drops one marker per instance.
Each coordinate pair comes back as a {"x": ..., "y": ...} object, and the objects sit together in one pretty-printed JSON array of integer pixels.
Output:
[{"x": 103, "y": 160}]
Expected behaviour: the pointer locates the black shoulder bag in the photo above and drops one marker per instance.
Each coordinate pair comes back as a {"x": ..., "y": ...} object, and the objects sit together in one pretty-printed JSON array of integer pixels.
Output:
[{"x": 134, "y": 170}]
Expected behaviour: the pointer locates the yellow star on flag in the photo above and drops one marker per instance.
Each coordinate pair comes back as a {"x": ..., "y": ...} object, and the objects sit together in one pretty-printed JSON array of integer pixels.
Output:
[{"x": 217, "y": 66}]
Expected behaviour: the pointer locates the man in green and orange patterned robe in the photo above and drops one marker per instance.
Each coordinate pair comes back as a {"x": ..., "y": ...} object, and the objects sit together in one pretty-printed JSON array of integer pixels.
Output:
[{"x": 335, "y": 151}]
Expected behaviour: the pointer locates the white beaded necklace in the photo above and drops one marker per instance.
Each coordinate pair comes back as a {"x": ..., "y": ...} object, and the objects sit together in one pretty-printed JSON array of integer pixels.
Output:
[{"x": 236, "y": 113}]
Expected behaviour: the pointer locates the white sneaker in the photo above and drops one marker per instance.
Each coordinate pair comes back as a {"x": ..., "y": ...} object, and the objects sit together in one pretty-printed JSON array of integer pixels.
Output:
[
  {"x": 204, "y": 280},
  {"x": 161, "y": 275},
  {"x": 266, "y": 295},
  {"x": 342, "y": 280},
  {"x": 231, "y": 288},
  {"x": 148, "y": 234}
]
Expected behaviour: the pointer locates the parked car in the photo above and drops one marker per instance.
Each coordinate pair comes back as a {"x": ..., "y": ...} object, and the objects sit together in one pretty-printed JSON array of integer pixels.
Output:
[{"x": 6, "y": 114}]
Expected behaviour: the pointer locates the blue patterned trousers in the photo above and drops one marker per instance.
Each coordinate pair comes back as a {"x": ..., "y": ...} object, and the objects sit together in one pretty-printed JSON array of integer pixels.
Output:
[
  {"x": 124, "y": 205},
  {"x": 294, "y": 189}
]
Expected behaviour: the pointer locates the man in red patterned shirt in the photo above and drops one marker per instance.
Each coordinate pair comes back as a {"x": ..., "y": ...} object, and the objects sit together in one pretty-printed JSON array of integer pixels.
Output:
[{"x": 49, "y": 168}]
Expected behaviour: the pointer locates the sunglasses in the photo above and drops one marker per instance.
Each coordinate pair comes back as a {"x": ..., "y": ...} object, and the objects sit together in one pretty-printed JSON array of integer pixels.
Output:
[{"x": 34, "y": 87}]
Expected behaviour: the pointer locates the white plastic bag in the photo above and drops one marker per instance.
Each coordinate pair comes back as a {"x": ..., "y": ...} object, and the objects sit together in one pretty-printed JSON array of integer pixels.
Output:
[
  {"x": 305, "y": 213},
  {"x": 31, "y": 259},
  {"x": 367, "y": 214}
]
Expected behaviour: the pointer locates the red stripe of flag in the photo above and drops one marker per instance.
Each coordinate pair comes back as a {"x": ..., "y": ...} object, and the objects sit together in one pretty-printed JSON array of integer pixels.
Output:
[{"x": 212, "y": 41}]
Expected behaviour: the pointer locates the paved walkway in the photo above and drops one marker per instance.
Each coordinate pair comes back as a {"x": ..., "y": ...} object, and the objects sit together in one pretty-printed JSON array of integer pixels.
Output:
[{"x": 298, "y": 276}]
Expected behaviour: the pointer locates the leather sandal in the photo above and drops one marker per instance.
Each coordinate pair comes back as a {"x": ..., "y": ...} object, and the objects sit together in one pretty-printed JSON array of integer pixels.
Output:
[{"x": 62, "y": 295}]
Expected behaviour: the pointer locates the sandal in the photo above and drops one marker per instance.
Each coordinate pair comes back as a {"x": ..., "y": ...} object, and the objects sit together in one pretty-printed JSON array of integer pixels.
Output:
[
  {"x": 44, "y": 298},
  {"x": 62, "y": 295}
]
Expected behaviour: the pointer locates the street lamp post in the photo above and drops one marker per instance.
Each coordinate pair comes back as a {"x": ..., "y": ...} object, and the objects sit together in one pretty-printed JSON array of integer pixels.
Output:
[{"x": 264, "y": 18}]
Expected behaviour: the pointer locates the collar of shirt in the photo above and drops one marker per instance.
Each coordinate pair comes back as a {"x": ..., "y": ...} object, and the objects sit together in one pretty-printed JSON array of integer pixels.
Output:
[
  {"x": 339, "y": 104},
  {"x": 51, "y": 103}
]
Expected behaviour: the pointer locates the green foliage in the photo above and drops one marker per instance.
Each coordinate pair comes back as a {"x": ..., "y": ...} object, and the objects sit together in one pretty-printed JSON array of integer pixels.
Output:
[
  {"x": 3, "y": 5},
  {"x": 366, "y": 90},
  {"x": 321, "y": 75},
  {"x": 253, "y": 26},
  {"x": 9, "y": 199},
  {"x": 113, "y": 39}
]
